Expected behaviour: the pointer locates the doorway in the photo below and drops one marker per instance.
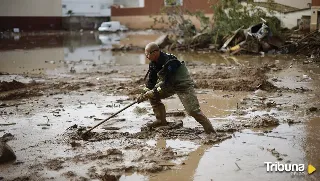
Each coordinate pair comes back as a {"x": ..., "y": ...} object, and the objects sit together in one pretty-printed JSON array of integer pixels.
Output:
[{"x": 318, "y": 20}]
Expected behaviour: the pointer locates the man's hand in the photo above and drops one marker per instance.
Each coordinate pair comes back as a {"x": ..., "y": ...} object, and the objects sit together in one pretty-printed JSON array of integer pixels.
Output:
[
  {"x": 148, "y": 95},
  {"x": 145, "y": 89}
]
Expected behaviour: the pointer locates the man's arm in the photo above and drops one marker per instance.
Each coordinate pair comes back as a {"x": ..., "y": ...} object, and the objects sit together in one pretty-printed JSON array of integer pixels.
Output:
[
  {"x": 152, "y": 81},
  {"x": 170, "y": 70}
]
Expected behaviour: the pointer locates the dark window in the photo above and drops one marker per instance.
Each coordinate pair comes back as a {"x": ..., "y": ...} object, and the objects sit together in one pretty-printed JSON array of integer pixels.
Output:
[{"x": 173, "y": 2}]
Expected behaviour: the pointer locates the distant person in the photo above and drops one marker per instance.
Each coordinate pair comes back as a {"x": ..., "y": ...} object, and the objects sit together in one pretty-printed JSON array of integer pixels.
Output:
[{"x": 169, "y": 76}]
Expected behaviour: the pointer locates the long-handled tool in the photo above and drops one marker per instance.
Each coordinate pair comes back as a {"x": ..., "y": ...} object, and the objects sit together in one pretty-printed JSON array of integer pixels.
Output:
[{"x": 85, "y": 133}]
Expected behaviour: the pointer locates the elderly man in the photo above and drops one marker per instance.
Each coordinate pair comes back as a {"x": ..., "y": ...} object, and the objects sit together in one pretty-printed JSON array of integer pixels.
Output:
[{"x": 169, "y": 76}]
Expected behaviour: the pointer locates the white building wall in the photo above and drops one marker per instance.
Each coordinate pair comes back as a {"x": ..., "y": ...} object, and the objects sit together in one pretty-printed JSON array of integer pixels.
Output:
[
  {"x": 130, "y": 3},
  {"x": 293, "y": 3},
  {"x": 89, "y": 8},
  {"x": 30, "y": 8},
  {"x": 288, "y": 20}
]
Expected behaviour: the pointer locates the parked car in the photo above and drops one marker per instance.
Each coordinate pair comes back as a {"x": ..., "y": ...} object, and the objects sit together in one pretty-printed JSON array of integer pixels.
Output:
[
  {"x": 123, "y": 28},
  {"x": 112, "y": 26}
]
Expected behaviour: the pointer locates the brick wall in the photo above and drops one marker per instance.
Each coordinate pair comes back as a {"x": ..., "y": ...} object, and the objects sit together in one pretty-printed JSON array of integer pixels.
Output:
[
  {"x": 153, "y": 7},
  {"x": 30, "y": 23},
  {"x": 315, "y": 2}
]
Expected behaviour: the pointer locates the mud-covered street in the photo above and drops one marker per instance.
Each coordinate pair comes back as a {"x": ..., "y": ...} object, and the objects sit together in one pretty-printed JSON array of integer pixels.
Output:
[{"x": 55, "y": 86}]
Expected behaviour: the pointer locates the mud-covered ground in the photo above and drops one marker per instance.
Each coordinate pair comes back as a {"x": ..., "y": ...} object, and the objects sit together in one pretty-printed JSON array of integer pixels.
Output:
[{"x": 264, "y": 109}]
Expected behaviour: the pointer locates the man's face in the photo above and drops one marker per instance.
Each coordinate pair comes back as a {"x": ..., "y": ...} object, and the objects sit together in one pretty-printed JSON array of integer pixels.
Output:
[{"x": 151, "y": 55}]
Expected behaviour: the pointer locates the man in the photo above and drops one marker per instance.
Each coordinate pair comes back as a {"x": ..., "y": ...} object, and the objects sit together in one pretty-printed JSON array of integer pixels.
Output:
[{"x": 169, "y": 76}]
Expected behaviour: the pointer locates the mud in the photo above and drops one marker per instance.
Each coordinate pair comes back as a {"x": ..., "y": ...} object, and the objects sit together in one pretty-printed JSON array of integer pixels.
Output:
[
  {"x": 269, "y": 102},
  {"x": 6, "y": 86},
  {"x": 238, "y": 79},
  {"x": 174, "y": 130}
]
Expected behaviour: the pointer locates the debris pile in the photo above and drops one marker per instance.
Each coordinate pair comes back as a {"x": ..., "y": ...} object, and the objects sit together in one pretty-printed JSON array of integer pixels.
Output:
[
  {"x": 255, "y": 39},
  {"x": 308, "y": 45},
  {"x": 128, "y": 47},
  {"x": 7, "y": 86}
]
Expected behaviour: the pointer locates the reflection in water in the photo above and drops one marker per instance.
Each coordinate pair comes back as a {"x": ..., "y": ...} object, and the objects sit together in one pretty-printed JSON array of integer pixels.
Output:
[
  {"x": 110, "y": 39},
  {"x": 74, "y": 50},
  {"x": 214, "y": 104},
  {"x": 31, "y": 61},
  {"x": 187, "y": 170},
  {"x": 73, "y": 47}
]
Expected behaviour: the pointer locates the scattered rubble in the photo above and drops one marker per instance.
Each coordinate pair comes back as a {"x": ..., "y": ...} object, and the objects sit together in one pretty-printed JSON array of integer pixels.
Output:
[
  {"x": 291, "y": 121},
  {"x": 7, "y": 137},
  {"x": 263, "y": 121},
  {"x": 55, "y": 164},
  {"x": 308, "y": 45},
  {"x": 140, "y": 110},
  {"x": 276, "y": 154},
  {"x": 6, "y": 153},
  {"x": 313, "y": 109}
]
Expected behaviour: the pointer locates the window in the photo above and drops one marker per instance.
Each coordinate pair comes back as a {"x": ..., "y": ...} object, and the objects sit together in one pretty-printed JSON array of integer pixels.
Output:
[
  {"x": 103, "y": 6},
  {"x": 64, "y": 6},
  {"x": 173, "y": 2}
]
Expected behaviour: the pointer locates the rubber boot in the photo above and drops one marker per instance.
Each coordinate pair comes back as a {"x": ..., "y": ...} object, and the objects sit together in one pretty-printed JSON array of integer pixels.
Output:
[
  {"x": 160, "y": 113},
  {"x": 204, "y": 121}
]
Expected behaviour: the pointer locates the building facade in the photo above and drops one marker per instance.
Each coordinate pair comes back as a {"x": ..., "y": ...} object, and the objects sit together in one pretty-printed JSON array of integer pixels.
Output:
[
  {"x": 143, "y": 17},
  {"x": 129, "y": 4},
  {"x": 35, "y": 15},
  {"x": 301, "y": 4},
  {"x": 29, "y": 15},
  {"x": 315, "y": 15},
  {"x": 87, "y": 8},
  {"x": 85, "y": 14}
]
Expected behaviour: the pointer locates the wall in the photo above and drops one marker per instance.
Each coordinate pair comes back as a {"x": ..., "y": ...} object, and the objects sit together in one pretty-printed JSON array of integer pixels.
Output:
[
  {"x": 142, "y": 18},
  {"x": 290, "y": 20},
  {"x": 25, "y": 8},
  {"x": 89, "y": 8},
  {"x": 129, "y": 4},
  {"x": 314, "y": 18},
  {"x": 152, "y": 7},
  {"x": 81, "y": 22},
  {"x": 315, "y": 2},
  {"x": 30, "y": 23},
  {"x": 29, "y": 15},
  {"x": 293, "y": 3},
  {"x": 145, "y": 22}
]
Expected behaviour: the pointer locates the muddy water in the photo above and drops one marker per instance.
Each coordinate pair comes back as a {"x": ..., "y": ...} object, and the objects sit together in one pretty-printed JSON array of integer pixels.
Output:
[
  {"x": 82, "y": 52},
  {"x": 39, "y": 124}
]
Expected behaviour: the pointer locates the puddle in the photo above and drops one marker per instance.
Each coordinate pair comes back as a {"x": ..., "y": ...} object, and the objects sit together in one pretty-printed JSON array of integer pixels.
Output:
[
  {"x": 213, "y": 103},
  {"x": 133, "y": 177},
  {"x": 243, "y": 158}
]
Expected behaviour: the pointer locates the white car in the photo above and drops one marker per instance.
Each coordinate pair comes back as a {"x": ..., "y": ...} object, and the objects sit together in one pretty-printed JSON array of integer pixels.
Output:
[
  {"x": 112, "y": 26},
  {"x": 123, "y": 28}
]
